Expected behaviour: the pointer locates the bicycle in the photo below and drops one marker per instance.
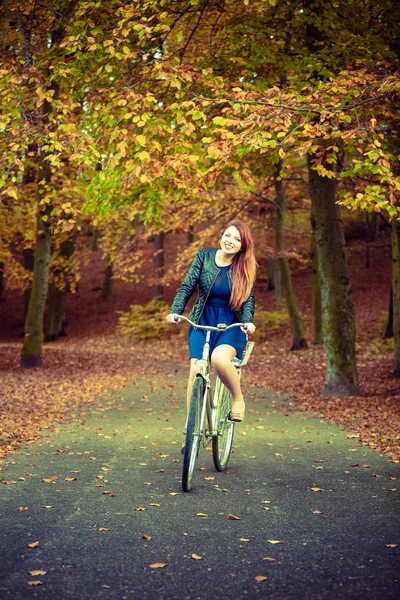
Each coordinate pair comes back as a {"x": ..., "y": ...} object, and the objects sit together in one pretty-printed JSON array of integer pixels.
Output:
[{"x": 208, "y": 417}]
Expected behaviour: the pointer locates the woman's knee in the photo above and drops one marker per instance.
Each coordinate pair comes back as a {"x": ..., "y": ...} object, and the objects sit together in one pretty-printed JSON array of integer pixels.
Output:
[{"x": 222, "y": 356}]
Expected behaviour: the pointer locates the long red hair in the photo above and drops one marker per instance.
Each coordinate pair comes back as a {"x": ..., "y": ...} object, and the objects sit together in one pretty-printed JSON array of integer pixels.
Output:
[{"x": 243, "y": 266}]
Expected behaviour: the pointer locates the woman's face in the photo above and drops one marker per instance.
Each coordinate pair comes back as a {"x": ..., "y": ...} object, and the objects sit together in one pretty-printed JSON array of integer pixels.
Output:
[{"x": 230, "y": 242}]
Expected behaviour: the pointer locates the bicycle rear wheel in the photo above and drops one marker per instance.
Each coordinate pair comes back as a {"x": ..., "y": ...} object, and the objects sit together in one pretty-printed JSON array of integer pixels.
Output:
[
  {"x": 222, "y": 443},
  {"x": 193, "y": 433}
]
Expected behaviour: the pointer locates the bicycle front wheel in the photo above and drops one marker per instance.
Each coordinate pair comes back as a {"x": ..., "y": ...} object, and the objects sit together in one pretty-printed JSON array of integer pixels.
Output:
[
  {"x": 193, "y": 433},
  {"x": 222, "y": 443}
]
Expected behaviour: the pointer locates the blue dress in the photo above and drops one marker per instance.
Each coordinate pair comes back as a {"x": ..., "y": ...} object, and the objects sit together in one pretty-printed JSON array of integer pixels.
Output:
[{"x": 217, "y": 310}]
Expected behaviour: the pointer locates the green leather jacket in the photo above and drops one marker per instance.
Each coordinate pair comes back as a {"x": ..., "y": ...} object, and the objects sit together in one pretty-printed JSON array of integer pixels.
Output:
[{"x": 202, "y": 273}]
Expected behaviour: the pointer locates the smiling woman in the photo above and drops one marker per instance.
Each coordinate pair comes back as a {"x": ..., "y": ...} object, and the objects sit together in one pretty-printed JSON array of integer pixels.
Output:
[{"x": 224, "y": 277}]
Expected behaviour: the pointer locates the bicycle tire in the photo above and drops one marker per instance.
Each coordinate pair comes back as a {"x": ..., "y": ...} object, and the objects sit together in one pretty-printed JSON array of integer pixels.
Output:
[
  {"x": 222, "y": 443},
  {"x": 193, "y": 433}
]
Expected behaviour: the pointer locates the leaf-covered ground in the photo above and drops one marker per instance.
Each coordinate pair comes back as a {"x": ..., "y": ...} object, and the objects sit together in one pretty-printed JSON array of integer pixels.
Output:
[{"x": 80, "y": 368}]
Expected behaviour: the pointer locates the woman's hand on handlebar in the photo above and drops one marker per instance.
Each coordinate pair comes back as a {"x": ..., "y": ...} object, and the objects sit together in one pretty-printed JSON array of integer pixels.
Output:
[
  {"x": 172, "y": 320},
  {"x": 248, "y": 328}
]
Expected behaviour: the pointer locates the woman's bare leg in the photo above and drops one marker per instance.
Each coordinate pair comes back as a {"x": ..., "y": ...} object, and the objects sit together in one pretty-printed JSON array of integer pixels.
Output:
[
  {"x": 192, "y": 374},
  {"x": 222, "y": 362}
]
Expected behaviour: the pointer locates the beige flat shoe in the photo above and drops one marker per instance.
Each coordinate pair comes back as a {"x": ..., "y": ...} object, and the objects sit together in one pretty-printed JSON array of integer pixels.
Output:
[{"x": 236, "y": 417}]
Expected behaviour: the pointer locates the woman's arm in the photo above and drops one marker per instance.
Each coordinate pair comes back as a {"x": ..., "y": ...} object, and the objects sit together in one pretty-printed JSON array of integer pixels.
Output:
[
  {"x": 247, "y": 310},
  {"x": 188, "y": 285}
]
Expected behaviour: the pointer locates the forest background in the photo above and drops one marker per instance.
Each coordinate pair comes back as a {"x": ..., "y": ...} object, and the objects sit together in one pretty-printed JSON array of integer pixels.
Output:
[{"x": 132, "y": 132}]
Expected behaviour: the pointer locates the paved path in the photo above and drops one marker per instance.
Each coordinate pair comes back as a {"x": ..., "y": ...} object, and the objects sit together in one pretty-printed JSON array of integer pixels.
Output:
[{"x": 102, "y": 497}]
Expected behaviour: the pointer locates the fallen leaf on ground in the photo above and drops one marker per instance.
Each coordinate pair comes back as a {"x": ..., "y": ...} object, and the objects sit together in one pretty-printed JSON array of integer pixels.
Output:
[
  {"x": 317, "y": 489},
  {"x": 103, "y": 528},
  {"x": 260, "y": 578},
  {"x": 269, "y": 559},
  {"x": 35, "y": 582},
  {"x": 158, "y": 565},
  {"x": 70, "y": 479},
  {"x": 202, "y": 515},
  {"x": 22, "y": 508},
  {"x": 233, "y": 517},
  {"x": 146, "y": 537},
  {"x": 274, "y": 541},
  {"x": 33, "y": 545},
  {"x": 196, "y": 557},
  {"x": 317, "y": 512},
  {"x": 37, "y": 572},
  {"x": 391, "y": 545},
  {"x": 140, "y": 508}
]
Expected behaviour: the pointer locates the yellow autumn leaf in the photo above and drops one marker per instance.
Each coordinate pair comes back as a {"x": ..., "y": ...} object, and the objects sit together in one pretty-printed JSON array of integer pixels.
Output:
[
  {"x": 196, "y": 557},
  {"x": 33, "y": 545},
  {"x": 202, "y": 515},
  {"x": 274, "y": 541},
  {"x": 158, "y": 565},
  {"x": 317, "y": 512},
  {"x": 146, "y": 537},
  {"x": 35, "y": 582},
  {"x": 140, "y": 508},
  {"x": 316, "y": 489},
  {"x": 47, "y": 506},
  {"x": 233, "y": 517},
  {"x": 103, "y": 528},
  {"x": 269, "y": 559},
  {"x": 260, "y": 578},
  {"x": 141, "y": 139},
  {"x": 70, "y": 479},
  {"x": 37, "y": 572}
]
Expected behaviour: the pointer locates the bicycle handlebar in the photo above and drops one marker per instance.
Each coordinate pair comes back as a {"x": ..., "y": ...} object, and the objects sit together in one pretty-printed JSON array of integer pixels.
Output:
[{"x": 208, "y": 327}]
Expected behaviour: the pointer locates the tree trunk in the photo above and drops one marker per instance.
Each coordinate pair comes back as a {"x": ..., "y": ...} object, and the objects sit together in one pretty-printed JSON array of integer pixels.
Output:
[
  {"x": 62, "y": 273},
  {"x": 95, "y": 239},
  {"x": 396, "y": 293},
  {"x": 28, "y": 257},
  {"x": 2, "y": 283},
  {"x": 56, "y": 313},
  {"x": 389, "y": 327},
  {"x": 277, "y": 284},
  {"x": 270, "y": 285},
  {"x": 107, "y": 291},
  {"x": 299, "y": 341},
  {"x": 316, "y": 290},
  {"x": 31, "y": 355},
  {"x": 338, "y": 325},
  {"x": 157, "y": 291}
]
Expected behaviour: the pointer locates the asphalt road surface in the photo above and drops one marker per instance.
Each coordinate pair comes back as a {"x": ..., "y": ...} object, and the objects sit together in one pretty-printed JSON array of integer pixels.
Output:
[{"x": 100, "y": 500}]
